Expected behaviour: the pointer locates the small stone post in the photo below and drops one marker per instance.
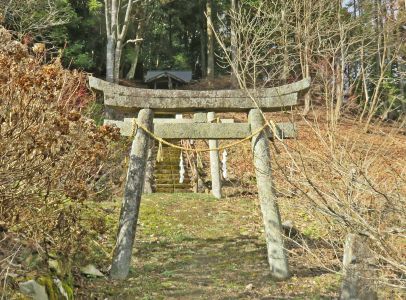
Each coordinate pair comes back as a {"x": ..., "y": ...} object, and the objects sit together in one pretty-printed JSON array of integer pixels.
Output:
[
  {"x": 132, "y": 198},
  {"x": 199, "y": 186},
  {"x": 214, "y": 163},
  {"x": 358, "y": 275},
  {"x": 200, "y": 117},
  {"x": 277, "y": 257}
]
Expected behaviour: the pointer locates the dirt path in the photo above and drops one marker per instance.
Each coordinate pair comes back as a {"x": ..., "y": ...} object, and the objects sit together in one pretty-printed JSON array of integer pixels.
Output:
[{"x": 194, "y": 247}]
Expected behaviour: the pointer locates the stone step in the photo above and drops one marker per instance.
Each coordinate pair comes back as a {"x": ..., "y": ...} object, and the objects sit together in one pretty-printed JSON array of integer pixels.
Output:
[
  {"x": 174, "y": 164},
  {"x": 183, "y": 190},
  {"x": 173, "y": 178},
  {"x": 175, "y": 169},
  {"x": 168, "y": 151},
  {"x": 171, "y": 172},
  {"x": 167, "y": 165},
  {"x": 169, "y": 156},
  {"x": 171, "y": 185},
  {"x": 163, "y": 172},
  {"x": 165, "y": 190},
  {"x": 167, "y": 172},
  {"x": 164, "y": 176},
  {"x": 169, "y": 175},
  {"x": 172, "y": 181},
  {"x": 171, "y": 191},
  {"x": 169, "y": 159}
]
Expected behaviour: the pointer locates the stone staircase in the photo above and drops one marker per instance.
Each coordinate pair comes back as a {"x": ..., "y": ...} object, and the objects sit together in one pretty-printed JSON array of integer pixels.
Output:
[{"x": 167, "y": 175}]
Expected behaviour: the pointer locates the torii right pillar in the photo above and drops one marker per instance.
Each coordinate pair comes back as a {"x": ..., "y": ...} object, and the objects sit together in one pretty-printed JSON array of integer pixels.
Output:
[{"x": 277, "y": 256}]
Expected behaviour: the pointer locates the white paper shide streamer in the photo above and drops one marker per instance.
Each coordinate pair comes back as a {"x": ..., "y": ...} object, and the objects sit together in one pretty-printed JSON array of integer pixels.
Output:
[
  {"x": 182, "y": 169},
  {"x": 224, "y": 164}
]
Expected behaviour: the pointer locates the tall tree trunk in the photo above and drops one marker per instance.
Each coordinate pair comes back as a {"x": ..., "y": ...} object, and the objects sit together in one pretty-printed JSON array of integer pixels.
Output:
[
  {"x": 110, "y": 52},
  {"x": 110, "y": 13},
  {"x": 306, "y": 74},
  {"x": 339, "y": 81},
  {"x": 142, "y": 23},
  {"x": 364, "y": 84},
  {"x": 234, "y": 45},
  {"x": 116, "y": 35},
  {"x": 285, "y": 71},
  {"x": 131, "y": 73},
  {"x": 203, "y": 43},
  {"x": 401, "y": 61},
  {"x": 340, "y": 71},
  {"x": 170, "y": 32},
  {"x": 117, "y": 61},
  {"x": 379, "y": 37},
  {"x": 306, "y": 53},
  {"x": 210, "y": 40},
  {"x": 203, "y": 53},
  {"x": 402, "y": 84}
]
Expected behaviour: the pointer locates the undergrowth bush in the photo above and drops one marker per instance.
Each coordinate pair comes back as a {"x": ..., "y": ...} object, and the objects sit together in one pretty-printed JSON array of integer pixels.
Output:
[
  {"x": 51, "y": 156},
  {"x": 353, "y": 182}
]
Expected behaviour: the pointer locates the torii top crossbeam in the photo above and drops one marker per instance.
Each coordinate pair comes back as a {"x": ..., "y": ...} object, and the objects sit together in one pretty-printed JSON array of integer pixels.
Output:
[{"x": 133, "y": 99}]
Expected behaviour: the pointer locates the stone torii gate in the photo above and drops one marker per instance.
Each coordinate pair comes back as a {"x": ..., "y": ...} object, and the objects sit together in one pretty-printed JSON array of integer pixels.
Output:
[{"x": 126, "y": 102}]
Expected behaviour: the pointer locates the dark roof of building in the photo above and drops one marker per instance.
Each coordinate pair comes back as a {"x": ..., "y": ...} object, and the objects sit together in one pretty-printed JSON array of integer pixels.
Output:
[{"x": 181, "y": 76}]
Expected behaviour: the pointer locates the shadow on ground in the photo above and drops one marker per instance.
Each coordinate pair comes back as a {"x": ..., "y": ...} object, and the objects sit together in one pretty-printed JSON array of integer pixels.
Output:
[{"x": 220, "y": 268}]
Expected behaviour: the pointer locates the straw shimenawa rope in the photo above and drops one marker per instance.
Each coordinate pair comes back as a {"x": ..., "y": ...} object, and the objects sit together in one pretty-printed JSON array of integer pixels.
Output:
[{"x": 197, "y": 150}]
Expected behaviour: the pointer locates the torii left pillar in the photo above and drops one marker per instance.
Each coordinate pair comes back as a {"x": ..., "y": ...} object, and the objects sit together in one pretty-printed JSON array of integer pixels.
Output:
[{"x": 132, "y": 197}]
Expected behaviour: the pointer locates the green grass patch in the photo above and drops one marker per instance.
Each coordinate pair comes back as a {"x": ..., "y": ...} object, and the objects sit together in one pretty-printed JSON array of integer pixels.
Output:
[{"x": 191, "y": 246}]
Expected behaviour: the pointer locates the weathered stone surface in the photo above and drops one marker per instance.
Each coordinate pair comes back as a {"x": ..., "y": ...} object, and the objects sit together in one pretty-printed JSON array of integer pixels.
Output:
[
  {"x": 101, "y": 85},
  {"x": 215, "y": 162},
  {"x": 203, "y": 130},
  {"x": 277, "y": 257},
  {"x": 200, "y": 117},
  {"x": 56, "y": 266},
  {"x": 188, "y": 121},
  {"x": 34, "y": 290},
  {"x": 358, "y": 274},
  {"x": 217, "y": 104},
  {"x": 133, "y": 99},
  {"x": 132, "y": 198},
  {"x": 149, "y": 170},
  {"x": 91, "y": 270}
]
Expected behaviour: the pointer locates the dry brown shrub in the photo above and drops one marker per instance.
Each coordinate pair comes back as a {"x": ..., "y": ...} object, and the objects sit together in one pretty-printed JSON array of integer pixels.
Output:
[
  {"x": 352, "y": 182},
  {"x": 50, "y": 155}
]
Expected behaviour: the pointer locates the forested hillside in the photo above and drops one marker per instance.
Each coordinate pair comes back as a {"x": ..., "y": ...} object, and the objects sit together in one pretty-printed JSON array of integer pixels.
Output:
[
  {"x": 353, "y": 50},
  {"x": 337, "y": 181}
]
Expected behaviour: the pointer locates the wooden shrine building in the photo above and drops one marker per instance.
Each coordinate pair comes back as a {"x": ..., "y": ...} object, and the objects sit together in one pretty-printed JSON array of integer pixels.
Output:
[{"x": 167, "y": 79}]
